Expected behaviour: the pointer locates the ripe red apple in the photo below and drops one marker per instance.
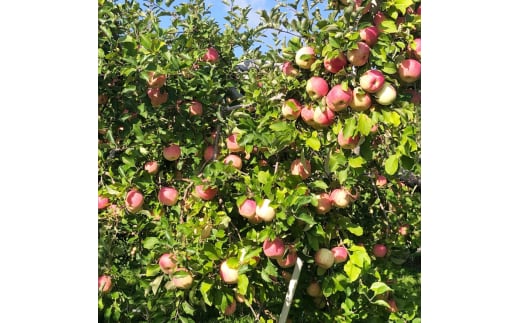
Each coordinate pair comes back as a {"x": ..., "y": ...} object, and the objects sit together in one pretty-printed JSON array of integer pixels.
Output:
[
  {"x": 335, "y": 64},
  {"x": 299, "y": 169},
  {"x": 232, "y": 143},
  {"x": 314, "y": 289},
  {"x": 195, "y": 108},
  {"x": 403, "y": 229},
  {"x": 338, "y": 99},
  {"x": 289, "y": 70},
  {"x": 305, "y": 57},
  {"x": 229, "y": 275},
  {"x": 247, "y": 209},
  {"x": 307, "y": 115},
  {"x": 409, "y": 70},
  {"x": 369, "y": 35},
  {"x": 372, "y": 81},
  {"x": 156, "y": 81},
  {"x": 168, "y": 196},
  {"x": 182, "y": 281},
  {"x": 323, "y": 117},
  {"x": 234, "y": 160},
  {"x": 157, "y": 97},
  {"x": 359, "y": 56},
  {"x": 415, "y": 49},
  {"x": 231, "y": 308},
  {"x": 324, "y": 203},
  {"x": 291, "y": 109},
  {"x": 289, "y": 260},
  {"x": 167, "y": 263},
  {"x": 379, "y": 17},
  {"x": 273, "y": 248},
  {"x": 205, "y": 192},
  {"x": 102, "y": 202},
  {"x": 381, "y": 180},
  {"x": 341, "y": 197},
  {"x": 104, "y": 283},
  {"x": 264, "y": 211},
  {"x": 386, "y": 95},
  {"x": 349, "y": 142},
  {"x": 324, "y": 258},
  {"x": 172, "y": 152},
  {"x": 208, "y": 153},
  {"x": 360, "y": 100},
  {"x": 340, "y": 254},
  {"x": 379, "y": 250},
  {"x": 134, "y": 201},
  {"x": 316, "y": 87},
  {"x": 416, "y": 96},
  {"x": 418, "y": 10},
  {"x": 152, "y": 167},
  {"x": 211, "y": 55}
]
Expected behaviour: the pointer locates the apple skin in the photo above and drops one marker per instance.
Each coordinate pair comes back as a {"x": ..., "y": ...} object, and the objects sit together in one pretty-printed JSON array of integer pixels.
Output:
[
  {"x": 229, "y": 275},
  {"x": 299, "y": 169},
  {"x": 264, "y": 211},
  {"x": 206, "y": 194},
  {"x": 102, "y": 202},
  {"x": 247, "y": 209},
  {"x": 316, "y": 87},
  {"x": 379, "y": 250},
  {"x": 348, "y": 143},
  {"x": 340, "y": 254},
  {"x": 289, "y": 70},
  {"x": 305, "y": 63},
  {"x": 134, "y": 201},
  {"x": 323, "y": 117},
  {"x": 208, "y": 153},
  {"x": 338, "y": 99},
  {"x": 172, "y": 152},
  {"x": 372, "y": 81},
  {"x": 211, "y": 55},
  {"x": 369, "y": 35},
  {"x": 361, "y": 101},
  {"x": 195, "y": 108},
  {"x": 152, "y": 167},
  {"x": 386, "y": 95},
  {"x": 157, "y": 97},
  {"x": 341, "y": 197},
  {"x": 231, "y": 308},
  {"x": 232, "y": 144},
  {"x": 314, "y": 289},
  {"x": 290, "y": 260},
  {"x": 156, "y": 81},
  {"x": 168, "y": 196},
  {"x": 324, "y": 203},
  {"x": 167, "y": 263},
  {"x": 307, "y": 115},
  {"x": 182, "y": 282},
  {"x": 287, "y": 109},
  {"x": 335, "y": 64},
  {"x": 403, "y": 229},
  {"x": 104, "y": 283},
  {"x": 324, "y": 258},
  {"x": 417, "y": 51},
  {"x": 381, "y": 180},
  {"x": 273, "y": 248},
  {"x": 409, "y": 70},
  {"x": 379, "y": 17},
  {"x": 359, "y": 56},
  {"x": 234, "y": 160}
]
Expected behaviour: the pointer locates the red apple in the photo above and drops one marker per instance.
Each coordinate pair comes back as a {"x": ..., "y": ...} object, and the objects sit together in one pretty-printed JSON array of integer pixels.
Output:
[
  {"x": 247, "y": 209},
  {"x": 288, "y": 69},
  {"x": 418, "y": 11},
  {"x": 273, "y": 248},
  {"x": 205, "y": 192},
  {"x": 381, "y": 180},
  {"x": 168, "y": 196},
  {"x": 416, "y": 96},
  {"x": 403, "y": 229},
  {"x": 409, "y": 70},
  {"x": 232, "y": 143},
  {"x": 307, "y": 115},
  {"x": 379, "y": 17},
  {"x": 338, "y": 99},
  {"x": 104, "y": 283},
  {"x": 291, "y": 109},
  {"x": 340, "y": 254},
  {"x": 316, "y": 87},
  {"x": 211, "y": 55},
  {"x": 231, "y": 308},
  {"x": 208, "y": 153},
  {"x": 360, "y": 100},
  {"x": 379, "y": 250},
  {"x": 233, "y": 160},
  {"x": 229, "y": 275},
  {"x": 156, "y": 81},
  {"x": 386, "y": 95},
  {"x": 324, "y": 258},
  {"x": 323, "y": 117},
  {"x": 299, "y": 169},
  {"x": 134, "y": 201},
  {"x": 324, "y": 203},
  {"x": 102, "y": 202},
  {"x": 341, "y": 197},
  {"x": 172, "y": 152},
  {"x": 305, "y": 57},
  {"x": 335, "y": 64},
  {"x": 369, "y": 35},
  {"x": 195, "y": 108},
  {"x": 314, "y": 289},
  {"x": 264, "y": 211},
  {"x": 349, "y": 142},
  {"x": 359, "y": 56},
  {"x": 167, "y": 263},
  {"x": 157, "y": 97},
  {"x": 152, "y": 167},
  {"x": 372, "y": 81},
  {"x": 415, "y": 49},
  {"x": 182, "y": 281},
  {"x": 289, "y": 260}
]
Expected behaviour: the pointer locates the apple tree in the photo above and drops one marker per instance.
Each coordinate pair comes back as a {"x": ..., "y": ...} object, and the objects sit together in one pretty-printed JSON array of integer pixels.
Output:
[{"x": 218, "y": 171}]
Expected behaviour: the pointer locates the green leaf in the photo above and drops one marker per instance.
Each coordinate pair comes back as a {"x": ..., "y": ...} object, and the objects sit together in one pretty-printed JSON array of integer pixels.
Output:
[
  {"x": 381, "y": 302},
  {"x": 313, "y": 143},
  {"x": 156, "y": 283},
  {"x": 150, "y": 242},
  {"x": 401, "y": 5},
  {"x": 350, "y": 128},
  {"x": 364, "y": 124},
  {"x": 306, "y": 217},
  {"x": 392, "y": 164},
  {"x": 243, "y": 283},
  {"x": 391, "y": 117},
  {"x": 337, "y": 160},
  {"x": 279, "y": 126},
  {"x": 263, "y": 177},
  {"x": 188, "y": 309},
  {"x": 204, "y": 289},
  {"x": 379, "y": 288},
  {"x": 342, "y": 176},
  {"x": 389, "y": 68},
  {"x": 356, "y": 162},
  {"x": 388, "y": 26},
  {"x": 352, "y": 270},
  {"x": 356, "y": 230},
  {"x": 319, "y": 184},
  {"x": 152, "y": 270}
]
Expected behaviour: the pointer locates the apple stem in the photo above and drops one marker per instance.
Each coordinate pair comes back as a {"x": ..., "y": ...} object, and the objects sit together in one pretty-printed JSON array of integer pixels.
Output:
[{"x": 290, "y": 291}]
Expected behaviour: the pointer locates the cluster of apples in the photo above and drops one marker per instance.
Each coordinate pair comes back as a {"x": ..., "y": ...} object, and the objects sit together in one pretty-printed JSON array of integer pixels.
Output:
[{"x": 155, "y": 83}]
